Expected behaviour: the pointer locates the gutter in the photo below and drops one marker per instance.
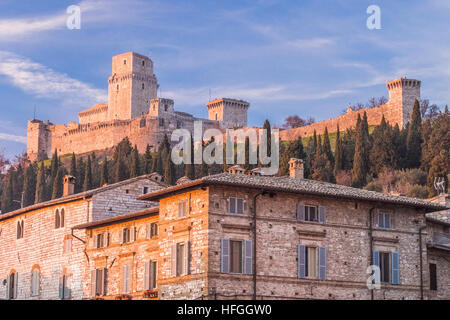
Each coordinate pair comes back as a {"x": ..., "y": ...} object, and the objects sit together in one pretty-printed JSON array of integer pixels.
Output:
[
  {"x": 262, "y": 192},
  {"x": 421, "y": 260},
  {"x": 371, "y": 243}
]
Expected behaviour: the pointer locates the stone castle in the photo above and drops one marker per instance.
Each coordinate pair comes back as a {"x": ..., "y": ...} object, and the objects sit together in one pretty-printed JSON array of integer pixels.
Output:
[{"x": 134, "y": 110}]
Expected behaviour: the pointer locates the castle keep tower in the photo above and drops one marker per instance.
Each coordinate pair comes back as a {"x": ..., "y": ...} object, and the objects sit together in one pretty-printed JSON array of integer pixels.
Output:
[
  {"x": 403, "y": 93},
  {"x": 131, "y": 86},
  {"x": 230, "y": 113}
]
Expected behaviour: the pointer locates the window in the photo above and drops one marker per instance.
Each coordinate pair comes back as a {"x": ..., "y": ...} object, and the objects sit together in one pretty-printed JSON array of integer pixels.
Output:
[
  {"x": 236, "y": 256},
  {"x": 311, "y": 213},
  {"x": 124, "y": 61},
  {"x": 57, "y": 219},
  {"x": 161, "y": 122},
  {"x": 67, "y": 244},
  {"x": 166, "y": 107},
  {"x": 99, "y": 241},
  {"x": 384, "y": 220},
  {"x": 143, "y": 63},
  {"x": 180, "y": 259},
  {"x": 151, "y": 271},
  {"x": 433, "y": 277},
  {"x": 235, "y": 205},
  {"x": 12, "y": 285},
  {"x": 64, "y": 287},
  {"x": 117, "y": 87},
  {"x": 62, "y": 218},
  {"x": 152, "y": 230},
  {"x": 143, "y": 86},
  {"x": 312, "y": 262},
  {"x": 35, "y": 275},
  {"x": 181, "y": 209},
  {"x": 145, "y": 191},
  {"x": 20, "y": 229},
  {"x": 126, "y": 235},
  {"x": 389, "y": 264},
  {"x": 126, "y": 278},
  {"x": 99, "y": 282}
]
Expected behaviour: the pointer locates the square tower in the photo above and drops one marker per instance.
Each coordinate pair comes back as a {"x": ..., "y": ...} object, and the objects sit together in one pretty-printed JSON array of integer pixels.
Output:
[
  {"x": 131, "y": 86},
  {"x": 230, "y": 113},
  {"x": 403, "y": 93}
]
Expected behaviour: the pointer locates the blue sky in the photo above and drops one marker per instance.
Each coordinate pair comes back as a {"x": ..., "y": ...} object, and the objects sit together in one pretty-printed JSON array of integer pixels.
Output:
[{"x": 310, "y": 58}]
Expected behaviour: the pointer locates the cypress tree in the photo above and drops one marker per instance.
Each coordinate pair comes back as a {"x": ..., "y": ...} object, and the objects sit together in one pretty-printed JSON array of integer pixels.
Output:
[
  {"x": 322, "y": 166},
  {"x": 73, "y": 166},
  {"x": 7, "y": 194},
  {"x": 40, "y": 185},
  {"x": 54, "y": 165},
  {"x": 439, "y": 168},
  {"x": 135, "y": 164},
  {"x": 81, "y": 171},
  {"x": 95, "y": 171},
  {"x": 293, "y": 149},
  {"x": 382, "y": 152},
  {"x": 189, "y": 169},
  {"x": 359, "y": 172},
  {"x": 268, "y": 133},
  {"x": 104, "y": 176},
  {"x": 414, "y": 139},
  {"x": 87, "y": 185},
  {"x": 29, "y": 186},
  {"x": 338, "y": 153},
  {"x": 169, "y": 172},
  {"x": 225, "y": 164},
  {"x": 147, "y": 160},
  {"x": 58, "y": 184},
  {"x": 327, "y": 147}
]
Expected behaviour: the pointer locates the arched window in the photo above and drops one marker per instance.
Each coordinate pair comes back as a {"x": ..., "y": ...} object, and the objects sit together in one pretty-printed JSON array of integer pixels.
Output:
[
  {"x": 61, "y": 218},
  {"x": 35, "y": 279},
  {"x": 57, "y": 219},
  {"x": 12, "y": 285}
]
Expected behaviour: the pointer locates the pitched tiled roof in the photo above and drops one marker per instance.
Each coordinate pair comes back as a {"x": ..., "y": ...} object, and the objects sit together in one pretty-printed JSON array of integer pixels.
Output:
[
  {"x": 73, "y": 197},
  {"x": 287, "y": 184}
]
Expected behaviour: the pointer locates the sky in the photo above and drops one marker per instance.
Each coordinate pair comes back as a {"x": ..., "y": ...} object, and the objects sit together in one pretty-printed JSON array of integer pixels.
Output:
[{"x": 310, "y": 58}]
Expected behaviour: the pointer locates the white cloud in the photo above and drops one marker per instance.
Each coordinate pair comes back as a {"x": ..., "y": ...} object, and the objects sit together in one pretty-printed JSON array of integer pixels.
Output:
[
  {"x": 13, "y": 138},
  {"x": 42, "y": 82}
]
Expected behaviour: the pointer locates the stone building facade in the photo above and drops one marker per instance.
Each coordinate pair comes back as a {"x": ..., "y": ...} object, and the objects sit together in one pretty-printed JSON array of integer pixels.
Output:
[
  {"x": 313, "y": 240},
  {"x": 134, "y": 110},
  {"x": 41, "y": 257}
]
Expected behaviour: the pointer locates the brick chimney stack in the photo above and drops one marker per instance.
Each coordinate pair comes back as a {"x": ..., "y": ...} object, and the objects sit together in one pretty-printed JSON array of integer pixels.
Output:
[
  {"x": 296, "y": 170},
  {"x": 68, "y": 186}
]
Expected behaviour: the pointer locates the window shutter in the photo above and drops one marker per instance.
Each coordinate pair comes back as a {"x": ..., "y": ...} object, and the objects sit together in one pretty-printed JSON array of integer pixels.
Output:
[
  {"x": 395, "y": 268},
  {"x": 133, "y": 234},
  {"x": 301, "y": 256},
  {"x": 124, "y": 278},
  {"x": 99, "y": 286},
  {"x": 62, "y": 218},
  {"x": 16, "y": 284},
  {"x": 61, "y": 287},
  {"x": 35, "y": 285},
  {"x": 66, "y": 287},
  {"x": 239, "y": 206},
  {"x": 322, "y": 214},
  {"x": 148, "y": 232},
  {"x": 233, "y": 205},
  {"x": 105, "y": 281},
  {"x": 248, "y": 257},
  {"x": 228, "y": 206},
  {"x": 93, "y": 282},
  {"x": 322, "y": 263},
  {"x": 300, "y": 212},
  {"x": 147, "y": 275},
  {"x": 376, "y": 258},
  {"x": 8, "y": 283},
  {"x": 122, "y": 236},
  {"x": 187, "y": 257},
  {"x": 387, "y": 221},
  {"x": 174, "y": 260},
  {"x": 225, "y": 256},
  {"x": 380, "y": 220},
  {"x": 107, "y": 239},
  {"x": 153, "y": 270},
  {"x": 95, "y": 241}
]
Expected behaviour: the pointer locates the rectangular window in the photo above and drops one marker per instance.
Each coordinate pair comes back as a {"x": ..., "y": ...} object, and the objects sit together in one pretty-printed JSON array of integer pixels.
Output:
[
  {"x": 433, "y": 277},
  {"x": 311, "y": 262},
  {"x": 98, "y": 282},
  {"x": 145, "y": 191},
  {"x": 64, "y": 287},
  {"x": 12, "y": 286},
  {"x": 151, "y": 271},
  {"x": 236, "y": 260},
  {"x": 67, "y": 245},
  {"x": 385, "y": 266},
  {"x": 35, "y": 282},
  {"x": 153, "y": 230},
  {"x": 311, "y": 213},
  {"x": 384, "y": 220},
  {"x": 181, "y": 209},
  {"x": 181, "y": 258},
  {"x": 126, "y": 278},
  {"x": 125, "y": 235},
  {"x": 99, "y": 240},
  {"x": 236, "y": 205}
]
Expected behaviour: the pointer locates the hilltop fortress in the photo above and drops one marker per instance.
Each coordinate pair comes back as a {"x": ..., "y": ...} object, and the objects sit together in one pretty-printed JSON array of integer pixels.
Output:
[{"x": 135, "y": 111}]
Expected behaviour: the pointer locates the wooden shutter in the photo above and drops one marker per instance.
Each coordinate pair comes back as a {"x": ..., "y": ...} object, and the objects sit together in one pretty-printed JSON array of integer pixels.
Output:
[
  {"x": 395, "y": 268},
  {"x": 228, "y": 206},
  {"x": 174, "y": 260},
  {"x": 95, "y": 241},
  {"x": 301, "y": 257},
  {"x": 248, "y": 257},
  {"x": 148, "y": 231},
  {"x": 16, "y": 284},
  {"x": 322, "y": 263},
  {"x": 380, "y": 221},
  {"x": 322, "y": 214},
  {"x": 122, "y": 236},
  {"x": 239, "y": 206},
  {"x": 147, "y": 275},
  {"x": 153, "y": 272},
  {"x": 35, "y": 283},
  {"x": 300, "y": 212},
  {"x": 376, "y": 258},
  {"x": 125, "y": 278},
  {"x": 187, "y": 257},
  {"x": 8, "y": 284},
  {"x": 61, "y": 287},
  {"x": 225, "y": 256},
  {"x": 105, "y": 282},
  {"x": 133, "y": 234},
  {"x": 387, "y": 220},
  {"x": 107, "y": 239},
  {"x": 93, "y": 282}
]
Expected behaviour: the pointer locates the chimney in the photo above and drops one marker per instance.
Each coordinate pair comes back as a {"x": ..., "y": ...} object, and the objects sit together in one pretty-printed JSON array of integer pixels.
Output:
[
  {"x": 296, "y": 170},
  {"x": 236, "y": 170},
  {"x": 68, "y": 186}
]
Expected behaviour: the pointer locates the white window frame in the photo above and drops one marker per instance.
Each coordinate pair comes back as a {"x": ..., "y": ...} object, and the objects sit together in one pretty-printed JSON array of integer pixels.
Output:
[{"x": 235, "y": 201}]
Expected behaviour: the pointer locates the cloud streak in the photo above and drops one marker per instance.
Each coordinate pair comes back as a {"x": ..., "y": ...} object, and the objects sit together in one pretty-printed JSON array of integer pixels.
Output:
[
  {"x": 13, "y": 138},
  {"x": 43, "y": 82}
]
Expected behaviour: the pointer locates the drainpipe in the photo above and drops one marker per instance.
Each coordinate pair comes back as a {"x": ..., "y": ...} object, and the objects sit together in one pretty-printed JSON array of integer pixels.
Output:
[
  {"x": 371, "y": 242},
  {"x": 421, "y": 259},
  {"x": 254, "y": 241}
]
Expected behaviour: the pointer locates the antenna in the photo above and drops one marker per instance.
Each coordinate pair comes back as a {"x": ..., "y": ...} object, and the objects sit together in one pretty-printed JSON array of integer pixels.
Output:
[{"x": 34, "y": 114}]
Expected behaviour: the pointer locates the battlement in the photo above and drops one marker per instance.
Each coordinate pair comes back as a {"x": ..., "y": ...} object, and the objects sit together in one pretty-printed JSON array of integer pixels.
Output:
[{"x": 230, "y": 113}]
